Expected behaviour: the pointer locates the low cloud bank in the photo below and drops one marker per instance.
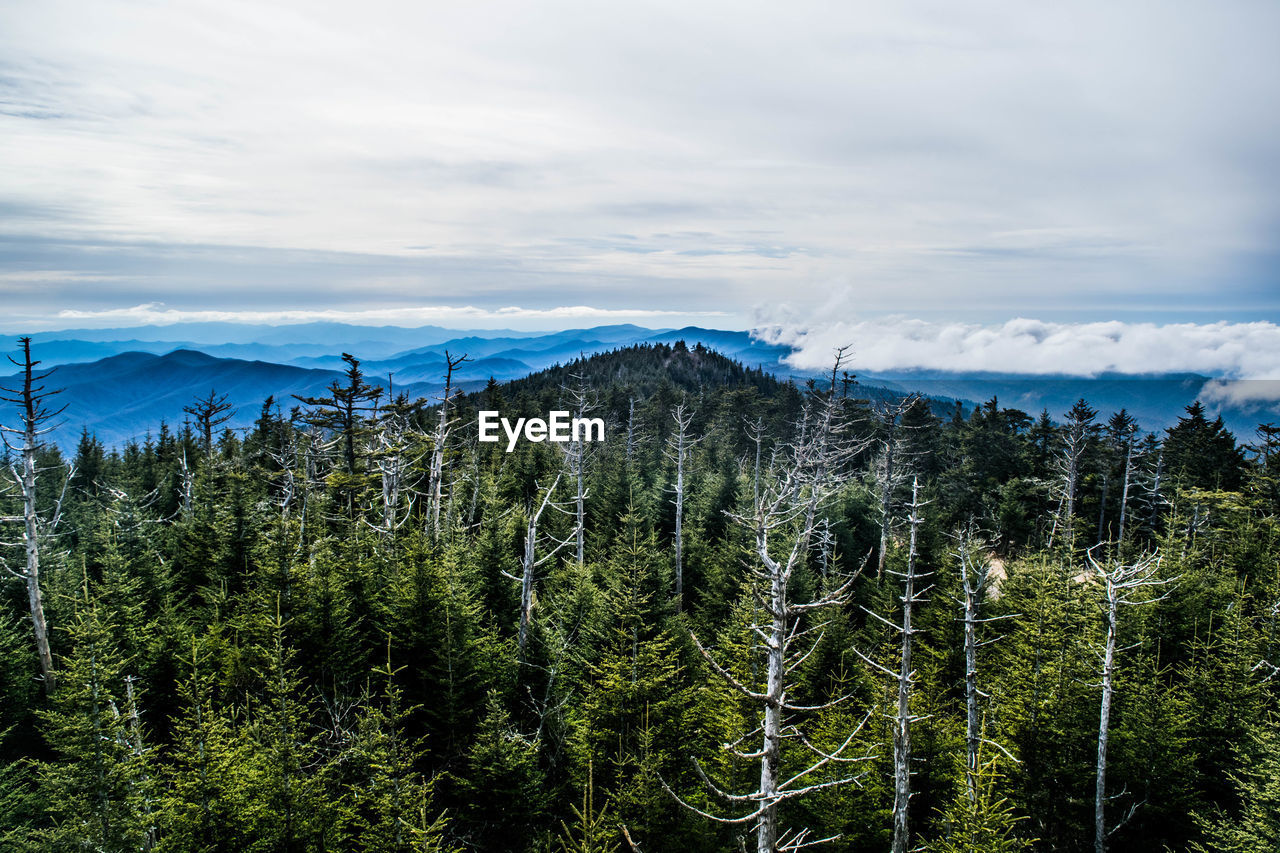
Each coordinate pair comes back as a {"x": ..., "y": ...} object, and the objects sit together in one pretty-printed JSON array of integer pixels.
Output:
[
  {"x": 1244, "y": 394},
  {"x": 461, "y": 316},
  {"x": 1225, "y": 351}
]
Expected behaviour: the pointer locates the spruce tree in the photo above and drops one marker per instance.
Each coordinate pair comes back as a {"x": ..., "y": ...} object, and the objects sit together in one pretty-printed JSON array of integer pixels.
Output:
[{"x": 98, "y": 793}]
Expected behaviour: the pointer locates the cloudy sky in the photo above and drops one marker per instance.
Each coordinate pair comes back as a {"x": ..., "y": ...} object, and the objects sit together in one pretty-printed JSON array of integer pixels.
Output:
[{"x": 724, "y": 163}]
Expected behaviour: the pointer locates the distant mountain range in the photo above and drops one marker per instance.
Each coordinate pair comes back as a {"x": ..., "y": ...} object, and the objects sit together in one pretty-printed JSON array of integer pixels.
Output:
[{"x": 120, "y": 383}]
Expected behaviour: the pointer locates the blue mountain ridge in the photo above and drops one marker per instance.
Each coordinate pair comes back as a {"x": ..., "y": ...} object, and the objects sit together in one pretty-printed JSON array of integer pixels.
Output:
[{"x": 124, "y": 395}]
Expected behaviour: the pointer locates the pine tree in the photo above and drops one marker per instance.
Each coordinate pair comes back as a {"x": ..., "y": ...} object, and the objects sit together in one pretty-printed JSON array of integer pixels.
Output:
[
  {"x": 17, "y": 806},
  {"x": 210, "y": 803},
  {"x": 504, "y": 785},
  {"x": 1202, "y": 454},
  {"x": 1256, "y": 824},
  {"x": 390, "y": 800},
  {"x": 286, "y": 789},
  {"x": 98, "y": 794},
  {"x": 344, "y": 412},
  {"x": 981, "y": 821},
  {"x": 210, "y": 413},
  {"x": 1049, "y": 713},
  {"x": 592, "y": 831}
]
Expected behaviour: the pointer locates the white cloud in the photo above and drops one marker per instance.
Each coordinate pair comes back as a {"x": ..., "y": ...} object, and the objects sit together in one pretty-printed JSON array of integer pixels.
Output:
[
  {"x": 1244, "y": 394},
  {"x": 466, "y": 316},
  {"x": 19, "y": 278},
  {"x": 1249, "y": 351}
]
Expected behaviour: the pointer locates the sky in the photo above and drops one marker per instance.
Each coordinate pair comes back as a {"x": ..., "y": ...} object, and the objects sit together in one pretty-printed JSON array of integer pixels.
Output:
[{"x": 810, "y": 168}]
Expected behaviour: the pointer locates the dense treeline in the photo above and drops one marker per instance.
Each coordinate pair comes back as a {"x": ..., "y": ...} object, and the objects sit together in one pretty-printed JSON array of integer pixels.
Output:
[{"x": 354, "y": 627}]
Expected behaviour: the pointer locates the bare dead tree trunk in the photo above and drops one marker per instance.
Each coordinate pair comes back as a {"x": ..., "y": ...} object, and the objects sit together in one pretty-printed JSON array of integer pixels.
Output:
[
  {"x": 886, "y": 492},
  {"x": 791, "y": 503},
  {"x": 530, "y": 562},
  {"x": 680, "y": 445},
  {"x": 395, "y": 445},
  {"x": 36, "y": 422},
  {"x": 31, "y": 536},
  {"x": 826, "y": 547},
  {"x": 576, "y": 455},
  {"x": 975, "y": 579},
  {"x": 1122, "y": 582},
  {"x": 1124, "y": 494},
  {"x": 1102, "y": 509},
  {"x": 392, "y": 476},
  {"x": 631, "y": 429},
  {"x": 187, "y": 486},
  {"x": 1073, "y": 475},
  {"x": 906, "y": 680},
  {"x": 435, "y": 479},
  {"x": 887, "y": 474},
  {"x": 528, "y": 565},
  {"x": 1104, "y": 727},
  {"x": 1153, "y": 493},
  {"x": 755, "y": 432},
  {"x": 1075, "y": 441},
  {"x": 475, "y": 485},
  {"x": 775, "y": 689},
  {"x": 311, "y": 460},
  {"x": 579, "y": 501},
  {"x": 287, "y": 459},
  {"x": 904, "y": 677}
]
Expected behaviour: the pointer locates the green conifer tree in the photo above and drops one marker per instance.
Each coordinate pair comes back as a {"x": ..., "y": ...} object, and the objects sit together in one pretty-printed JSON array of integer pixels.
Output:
[{"x": 97, "y": 793}]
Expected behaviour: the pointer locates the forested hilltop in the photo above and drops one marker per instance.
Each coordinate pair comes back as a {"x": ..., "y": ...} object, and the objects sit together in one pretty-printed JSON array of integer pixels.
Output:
[{"x": 757, "y": 616}]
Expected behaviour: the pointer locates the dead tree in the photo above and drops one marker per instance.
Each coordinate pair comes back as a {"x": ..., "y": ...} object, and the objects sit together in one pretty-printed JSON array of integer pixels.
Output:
[
  {"x": 210, "y": 412},
  {"x": 787, "y": 513},
  {"x": 1121, "y": 429},
  {"x": 395, "y": 455},
  {"x": 679, "y": 445},
  {"x": 755, "y": 432},
  {"x": 575, "y": 454},
  {"x": 531, "y": 562},
  {"x": 1075, "y": 440},
  {"x": 631, "y": 429},
  {"x": 905, "y": 676},
  {"x": 906, "y": 680},
  {"x": 286, "y": 460},
  {"x": 1123, "y": 584},
  {"x": 887, "y": 473},
  {"x": 440, "y": 441},
  {"x": 186, "y": 487},
  {"x": 36, "y": 421},
  {"x": 975, "y": 584},
  {"x": 473, "y": 505},
  {"x": 315, "y": 453},
  {"x": 1152, "y": 482},
  {"x": 1127, "y": 438}
]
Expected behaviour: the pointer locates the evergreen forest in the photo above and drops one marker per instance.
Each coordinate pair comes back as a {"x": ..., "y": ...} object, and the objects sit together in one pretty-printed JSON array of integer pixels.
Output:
[{"x": 760, "y": 615}]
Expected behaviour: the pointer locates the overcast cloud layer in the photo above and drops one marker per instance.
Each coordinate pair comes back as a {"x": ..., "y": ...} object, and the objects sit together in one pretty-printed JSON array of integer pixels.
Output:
[{"x": 981, "y": 160}]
